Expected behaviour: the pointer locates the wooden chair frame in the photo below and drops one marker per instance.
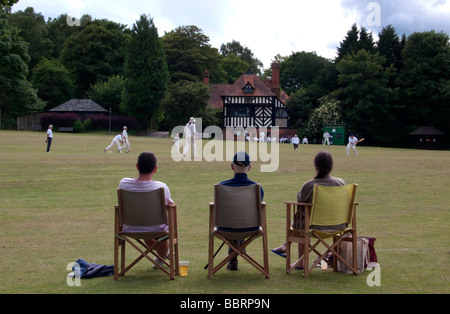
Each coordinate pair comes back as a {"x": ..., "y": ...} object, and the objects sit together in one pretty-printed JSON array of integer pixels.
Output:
[
  {"x": 121, "y": 238},
  {"x": 298, "y": 230},
  {"x": 249, "y": 237}
]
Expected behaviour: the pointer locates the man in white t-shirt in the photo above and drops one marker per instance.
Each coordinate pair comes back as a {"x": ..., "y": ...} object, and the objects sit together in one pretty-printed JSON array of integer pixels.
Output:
[
  {"x": 146, "y": 166},
  {"x": 49, "y": 137},
  {"x": 295, "y": 140}
]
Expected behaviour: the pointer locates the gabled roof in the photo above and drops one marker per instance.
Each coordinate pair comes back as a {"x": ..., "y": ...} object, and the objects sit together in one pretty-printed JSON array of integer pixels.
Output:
[
  {"x": 79, "y": 105},
  {"x": 236, "y": 89},
  {"x": 427, "y": 130}
]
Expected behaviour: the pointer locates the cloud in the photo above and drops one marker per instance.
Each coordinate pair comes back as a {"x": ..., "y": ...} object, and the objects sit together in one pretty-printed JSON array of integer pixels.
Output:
[
  {"x": 266, "y": 27},
  {"x": 406, "y": 16}
]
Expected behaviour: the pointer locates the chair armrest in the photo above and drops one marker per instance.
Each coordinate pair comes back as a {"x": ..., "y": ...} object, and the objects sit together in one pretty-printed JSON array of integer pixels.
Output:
[{"x": 297, "y": 203}]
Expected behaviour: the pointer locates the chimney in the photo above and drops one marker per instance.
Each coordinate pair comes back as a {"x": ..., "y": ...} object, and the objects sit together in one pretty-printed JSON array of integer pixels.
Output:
[
  {"x": 206, "y": 77},
  {"x": 276, "y": 79}
]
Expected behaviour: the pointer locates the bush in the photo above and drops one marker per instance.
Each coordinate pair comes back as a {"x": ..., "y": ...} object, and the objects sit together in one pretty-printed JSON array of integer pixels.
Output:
[
  {"x": 87, "y": 125},
  {"x": 58, "y": 119},
  {"x": 77, "y": 127},
  {"x": 101, "y": 122}
]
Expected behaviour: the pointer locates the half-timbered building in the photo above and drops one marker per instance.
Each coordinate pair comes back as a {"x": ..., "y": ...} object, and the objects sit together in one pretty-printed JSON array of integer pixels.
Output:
[{"x": 251, "y": 102}]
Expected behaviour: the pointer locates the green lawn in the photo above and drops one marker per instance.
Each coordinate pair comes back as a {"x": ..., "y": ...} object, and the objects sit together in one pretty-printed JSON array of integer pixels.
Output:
[{"x": 56, "y": 208}]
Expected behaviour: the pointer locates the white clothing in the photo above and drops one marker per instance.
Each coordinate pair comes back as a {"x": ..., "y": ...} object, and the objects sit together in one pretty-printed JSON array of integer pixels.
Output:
[
  {"x": 125, "y": 140},
  {"x": 118, "y": 141},
  {"x": 176, "y": 145},
  {"x": 50, "y": 133},
  {"x": 326, "y": 136},
  {"x": 190, "y": 133},
  {"x": 134, "y": 185},
  {"x": 261, "y": 137},
  {"x": 305, "y": 140},
  {"x": 295, "y": 140},
  {"x": 352, "y": 144}
]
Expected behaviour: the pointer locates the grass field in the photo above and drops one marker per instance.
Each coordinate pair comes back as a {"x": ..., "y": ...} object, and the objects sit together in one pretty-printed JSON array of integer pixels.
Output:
[{"x": 56, "y": 208}]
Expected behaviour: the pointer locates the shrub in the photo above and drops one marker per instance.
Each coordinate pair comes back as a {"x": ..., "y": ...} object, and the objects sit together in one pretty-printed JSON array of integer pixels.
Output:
[
  {"x": 78, "y": 126},
  {"x": 58, "y": 119}
]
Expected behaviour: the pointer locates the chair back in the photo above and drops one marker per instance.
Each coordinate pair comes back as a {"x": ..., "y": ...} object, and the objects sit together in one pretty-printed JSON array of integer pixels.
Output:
[
  {"x": 142, "y": 209},
  {"x": 237, "y": 207},
  {"x": 333, "y": 205}
]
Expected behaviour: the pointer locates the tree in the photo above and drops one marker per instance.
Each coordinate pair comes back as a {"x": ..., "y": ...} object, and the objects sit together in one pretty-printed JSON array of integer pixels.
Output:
[
  {"x": 244, "y": 53},
  {"x": 95, "y": 53},
  {"x": 109, "y": 94},
  {"x": 7, "y": 4},
  {"x": 301, "y": 70},
  {"x": 146, "y": 74},
  {"x": 17, "y": 97},
  {"x": 328, "y": 112},
  {"x": 389, "y": 45},
  {"x": 33, "y": 30},
  {"x": 368, "y": 103},
  {"x": 355, "y": 41},
  {"x": 189, "y": 54},
  {"x": 54, "y": 83},
  {"x": 234, "y": 67},
  {"x": 426, "y": 80},
  {"x": 187, "y": 99},
  {"x": 59, "y": 31},
  {"x": 349, "y": 44}
]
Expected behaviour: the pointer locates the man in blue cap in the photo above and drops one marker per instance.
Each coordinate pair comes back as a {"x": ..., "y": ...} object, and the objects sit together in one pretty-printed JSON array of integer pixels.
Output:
[{"x": 241, "y": 166}]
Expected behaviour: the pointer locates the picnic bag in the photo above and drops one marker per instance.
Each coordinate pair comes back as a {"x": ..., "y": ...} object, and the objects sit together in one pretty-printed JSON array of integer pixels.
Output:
[{"x": 362, "y": 251}]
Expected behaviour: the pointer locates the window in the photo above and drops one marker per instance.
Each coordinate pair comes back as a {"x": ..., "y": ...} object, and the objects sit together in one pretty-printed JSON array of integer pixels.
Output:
[
  {"x": 281, "y": 113},
  {"x": 239, "y": 111},
  {"x": 248, "y": 89}
]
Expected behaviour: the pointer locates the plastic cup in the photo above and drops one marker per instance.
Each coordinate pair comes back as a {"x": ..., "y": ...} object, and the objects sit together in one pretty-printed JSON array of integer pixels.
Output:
[{"x": 184, "y": 265}]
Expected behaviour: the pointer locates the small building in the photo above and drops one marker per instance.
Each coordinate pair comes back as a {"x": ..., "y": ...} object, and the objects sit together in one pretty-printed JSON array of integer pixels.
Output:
[
  {"x": 428, "y": 137},
  {"x": 251, "y": 102},
  {"x": 82, "y": 107}
]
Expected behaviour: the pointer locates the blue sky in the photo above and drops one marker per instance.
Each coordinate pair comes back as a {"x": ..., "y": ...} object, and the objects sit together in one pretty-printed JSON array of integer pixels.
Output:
[{"x": 266, "y": 27}]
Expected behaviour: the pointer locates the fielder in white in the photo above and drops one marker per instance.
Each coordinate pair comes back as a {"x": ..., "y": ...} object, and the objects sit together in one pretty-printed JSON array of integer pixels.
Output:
[
  {"x": 190, "y": 134},
  {"x": 326, "y": 136},
  {"x": 352, "y": 142},
  {"x": 117, "y": 140},
  {"x": 125, "y": 140},
  {"x": 176, "y": 144}
]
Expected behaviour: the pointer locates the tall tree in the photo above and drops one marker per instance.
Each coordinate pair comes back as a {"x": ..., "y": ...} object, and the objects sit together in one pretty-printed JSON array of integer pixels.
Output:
[
  {"x": 349, "y": 44},
  {"x": 54, "y": 82},
  {"x": 426, "y": 80},
  {"x": 186, "y": 99},
  {"x": 390, "y": 46},
  {"x": 95, "y": 53},
  {"x": 33, "y": 30},
  {"x": 189, "y": 54},
  {"x": 17, "y": 97},
  {"x": 365, "y": 95},
  {"x": 244, "y": 53},
  {"x": 146, "y": 74},
  {"x": 300, "y": 70}
]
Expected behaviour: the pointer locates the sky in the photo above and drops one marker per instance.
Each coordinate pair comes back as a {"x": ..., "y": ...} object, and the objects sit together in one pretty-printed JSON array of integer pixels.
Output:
[{"x": 266, "y": 27}]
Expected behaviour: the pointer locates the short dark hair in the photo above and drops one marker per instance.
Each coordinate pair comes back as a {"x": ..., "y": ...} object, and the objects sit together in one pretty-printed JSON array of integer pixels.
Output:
[
  {"x": 146, "y": 162},
  {"x": 324, "y": 164}
]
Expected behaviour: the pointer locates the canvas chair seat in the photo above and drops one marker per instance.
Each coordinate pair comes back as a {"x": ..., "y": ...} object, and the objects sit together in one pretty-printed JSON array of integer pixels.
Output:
[
  {"x": 141, "y": 216},
  {"x": 331, "y": 214},
  {"x": 237, "y": 214}
]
